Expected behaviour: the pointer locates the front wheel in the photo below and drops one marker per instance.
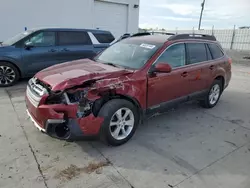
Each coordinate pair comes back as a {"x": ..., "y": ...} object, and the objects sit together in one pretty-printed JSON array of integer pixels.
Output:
[
  {"x": 213, "y": 96},
  {"x": 121, "y": 119},
  {"x": 9, "y": 74}
]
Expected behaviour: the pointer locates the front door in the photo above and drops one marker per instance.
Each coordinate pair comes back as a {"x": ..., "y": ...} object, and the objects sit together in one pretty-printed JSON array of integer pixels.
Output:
[
  {"x": 42, "y": 52},
  {"x": 165, "y": 88},
  {"x": 74, "y": 45}
]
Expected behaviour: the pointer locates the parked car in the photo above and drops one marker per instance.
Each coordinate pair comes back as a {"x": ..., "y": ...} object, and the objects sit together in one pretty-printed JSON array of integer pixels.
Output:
[
  {"x": 127, "y": 35},
  {"x": 33, "y": 50},
  {"x": 135, "y": 77}
]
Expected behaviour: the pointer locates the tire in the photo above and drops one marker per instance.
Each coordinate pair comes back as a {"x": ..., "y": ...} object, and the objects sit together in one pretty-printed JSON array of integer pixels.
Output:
[
  {"x": 110, "y": 111},
  {"x": 9, "y": 74},
  {"x": 208, "y": 102}
]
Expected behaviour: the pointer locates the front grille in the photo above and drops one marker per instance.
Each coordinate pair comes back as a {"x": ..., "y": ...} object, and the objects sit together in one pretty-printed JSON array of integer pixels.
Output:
[{"x": 35, "y": 91}]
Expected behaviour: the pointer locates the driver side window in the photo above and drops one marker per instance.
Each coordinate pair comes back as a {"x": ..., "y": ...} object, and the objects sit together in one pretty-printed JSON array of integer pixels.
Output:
[
  {"x": 42, "y": 39},
  {"x": 174, "y": 56}
]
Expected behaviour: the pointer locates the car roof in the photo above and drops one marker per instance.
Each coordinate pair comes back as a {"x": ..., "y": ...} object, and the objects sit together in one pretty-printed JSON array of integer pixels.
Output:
[
  {"x": 150, "y": 38},
  {"x": 161, "y": 38},
  {"x": 71, "y": 29}
]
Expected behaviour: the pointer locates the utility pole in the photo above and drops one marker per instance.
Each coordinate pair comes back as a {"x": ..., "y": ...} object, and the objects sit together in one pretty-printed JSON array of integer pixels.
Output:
[{"x": 202, "y": 8}]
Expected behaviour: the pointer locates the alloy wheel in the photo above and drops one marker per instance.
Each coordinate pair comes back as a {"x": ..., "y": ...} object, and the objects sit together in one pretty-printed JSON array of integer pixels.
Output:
[
  {"x": 214, "y": 94},
  {"x": 121, "y": 123},
  {"x": 7, "y": 75}
]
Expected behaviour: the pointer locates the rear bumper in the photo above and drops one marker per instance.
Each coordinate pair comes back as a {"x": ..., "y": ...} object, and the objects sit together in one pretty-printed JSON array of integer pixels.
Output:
[
  {"x": 228, "y": 79},
  {"x": 48, "y": 118}
]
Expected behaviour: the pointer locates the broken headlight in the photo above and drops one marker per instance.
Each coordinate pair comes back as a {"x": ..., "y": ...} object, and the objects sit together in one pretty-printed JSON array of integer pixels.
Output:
[
  {"x": 56, "y": 98},
  {"x": 84, "y": 105}
]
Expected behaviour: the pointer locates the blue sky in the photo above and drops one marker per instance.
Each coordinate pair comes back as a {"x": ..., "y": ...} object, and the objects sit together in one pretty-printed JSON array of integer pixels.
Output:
[{"x": 184, "y": 14}]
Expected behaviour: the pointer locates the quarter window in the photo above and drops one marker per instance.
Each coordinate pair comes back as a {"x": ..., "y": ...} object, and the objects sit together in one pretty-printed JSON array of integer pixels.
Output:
[
  {"x": 196, "y": 53},
  {"x": 73, "y": 38},
  {"x": 43, "y": 39},
  {"x": 216, "y": 51},
  {"x": 104, "y": 37},
  {"x": 174, "y": 56}
]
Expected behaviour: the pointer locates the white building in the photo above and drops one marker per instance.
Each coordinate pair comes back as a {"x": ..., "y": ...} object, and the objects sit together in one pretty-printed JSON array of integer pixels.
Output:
[{"x": 117, "y": 16}]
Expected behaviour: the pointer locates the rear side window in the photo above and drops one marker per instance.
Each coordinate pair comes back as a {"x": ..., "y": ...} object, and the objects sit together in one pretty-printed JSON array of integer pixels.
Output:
[
  {"x": 215, "y": 51},
  {"x": 196, "y": 53},
  {"x": 73, "y": 38},
  {"x": 104, "y": 37}
]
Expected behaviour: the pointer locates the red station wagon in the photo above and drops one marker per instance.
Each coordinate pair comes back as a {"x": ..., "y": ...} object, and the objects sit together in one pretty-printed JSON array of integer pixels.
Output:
[{"x": 135, "y": 77}]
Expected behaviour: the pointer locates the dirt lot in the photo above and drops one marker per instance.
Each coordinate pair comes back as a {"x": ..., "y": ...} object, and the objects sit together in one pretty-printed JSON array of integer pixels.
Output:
[{"x": 186, "y": 147}]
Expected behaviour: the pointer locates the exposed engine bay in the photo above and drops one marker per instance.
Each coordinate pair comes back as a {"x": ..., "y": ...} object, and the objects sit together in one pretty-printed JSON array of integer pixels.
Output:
[{"x": 72, "y": 97}]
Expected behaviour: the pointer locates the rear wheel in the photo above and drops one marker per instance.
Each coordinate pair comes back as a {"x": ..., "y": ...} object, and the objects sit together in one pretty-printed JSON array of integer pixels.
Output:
[
  {"x": 121, "y": 119},
  {"x": 9, "y": 74},
  {"x": 213, "y": 96}
]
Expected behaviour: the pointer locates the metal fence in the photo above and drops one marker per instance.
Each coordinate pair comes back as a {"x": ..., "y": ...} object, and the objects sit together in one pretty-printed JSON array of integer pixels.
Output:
[{"x": 234, "y": 39}]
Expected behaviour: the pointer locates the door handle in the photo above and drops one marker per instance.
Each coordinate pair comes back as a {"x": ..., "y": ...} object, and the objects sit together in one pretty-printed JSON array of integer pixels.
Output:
[
  {"x": 65, "y": 50},
  {"x": 52, "y": 50},
  {"x": 184, "y": 74},
  {"x": 211, "y": 67}
]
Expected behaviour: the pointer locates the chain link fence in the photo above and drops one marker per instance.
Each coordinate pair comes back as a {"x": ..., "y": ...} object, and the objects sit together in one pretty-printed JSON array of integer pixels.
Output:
[{"x": 233, "y": 39}]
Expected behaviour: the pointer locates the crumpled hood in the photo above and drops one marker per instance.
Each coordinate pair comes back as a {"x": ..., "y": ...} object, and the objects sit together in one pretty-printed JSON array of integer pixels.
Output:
[{"x": 70, "y": 74}]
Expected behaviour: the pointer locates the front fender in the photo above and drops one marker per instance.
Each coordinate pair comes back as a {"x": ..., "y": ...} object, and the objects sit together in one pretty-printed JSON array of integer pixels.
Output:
[
  {"x": 135, "y": 89},
  {"x": 12, "y": 60}
]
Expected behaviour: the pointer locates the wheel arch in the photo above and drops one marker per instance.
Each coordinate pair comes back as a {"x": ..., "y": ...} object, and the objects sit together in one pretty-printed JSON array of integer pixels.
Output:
[
  {"x": 98, "y": 104},
  {"x": 10, "y": 62},
  {"x": 222, "y": 79}
]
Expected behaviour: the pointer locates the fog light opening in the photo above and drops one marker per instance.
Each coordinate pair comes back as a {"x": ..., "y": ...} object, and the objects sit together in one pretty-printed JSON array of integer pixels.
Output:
[{"x": 62, "y": 131}]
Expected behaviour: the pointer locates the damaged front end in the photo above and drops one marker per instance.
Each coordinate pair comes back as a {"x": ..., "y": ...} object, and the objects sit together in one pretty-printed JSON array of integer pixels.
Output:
[{"x": 67, "y": 114}]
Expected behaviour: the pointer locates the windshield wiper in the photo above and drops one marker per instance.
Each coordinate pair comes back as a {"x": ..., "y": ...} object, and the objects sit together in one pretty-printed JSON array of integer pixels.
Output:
[{"x": 112, "y": 64}]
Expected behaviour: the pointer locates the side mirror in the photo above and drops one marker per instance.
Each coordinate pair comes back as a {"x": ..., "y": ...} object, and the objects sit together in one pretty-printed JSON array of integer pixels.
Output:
[
  {"x": 162, "y": 67},
  {"x": 28, "y": 45}
]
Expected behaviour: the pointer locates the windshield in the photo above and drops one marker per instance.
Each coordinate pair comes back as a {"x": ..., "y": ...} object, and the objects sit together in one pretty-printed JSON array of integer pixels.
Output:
[
  {"x": 132, "y": 54},
  {"x": 16, "y": 38}
]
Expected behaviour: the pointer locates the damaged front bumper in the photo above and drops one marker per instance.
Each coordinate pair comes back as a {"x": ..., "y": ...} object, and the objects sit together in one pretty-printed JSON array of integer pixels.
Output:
[
  {"x": 67, "y": 128},
  {"x": 60, "y": 120}
]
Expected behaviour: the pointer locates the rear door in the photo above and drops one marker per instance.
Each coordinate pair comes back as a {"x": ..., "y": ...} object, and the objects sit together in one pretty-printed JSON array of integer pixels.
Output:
[
  {"x": 196, "y": 74},
  {"x": 217, "y": 60},
  {"x": 74, "y": 45}
]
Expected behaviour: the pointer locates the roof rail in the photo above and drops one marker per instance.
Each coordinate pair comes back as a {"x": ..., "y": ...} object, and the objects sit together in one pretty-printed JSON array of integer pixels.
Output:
[
  {"x": 140, "y": 34},
  {"x": 163, "y": 33},
  {"x": 151, "y": 33},
  {"x": 193, "y": 36}
]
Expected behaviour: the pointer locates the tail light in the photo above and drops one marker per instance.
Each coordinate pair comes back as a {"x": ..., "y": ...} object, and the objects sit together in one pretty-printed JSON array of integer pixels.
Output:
[{"x": 230, "y": 61}]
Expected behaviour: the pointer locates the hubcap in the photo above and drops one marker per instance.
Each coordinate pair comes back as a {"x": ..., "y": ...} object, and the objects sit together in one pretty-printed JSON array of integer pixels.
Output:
[
  {"x": 121, "y": 123},
  {"x": 7, "y": 75},
  {"x": 214, "y": 94}
]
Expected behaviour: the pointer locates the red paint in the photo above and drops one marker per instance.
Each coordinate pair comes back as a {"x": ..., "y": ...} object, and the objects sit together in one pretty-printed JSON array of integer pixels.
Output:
[
  {"x": 44, "y": 112},
  {"x": 163, "y": 67},
  {"x": 148, "y": 90},
  {"x": 67, "y": 75},
  {"x": 90, "y": 125}
]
